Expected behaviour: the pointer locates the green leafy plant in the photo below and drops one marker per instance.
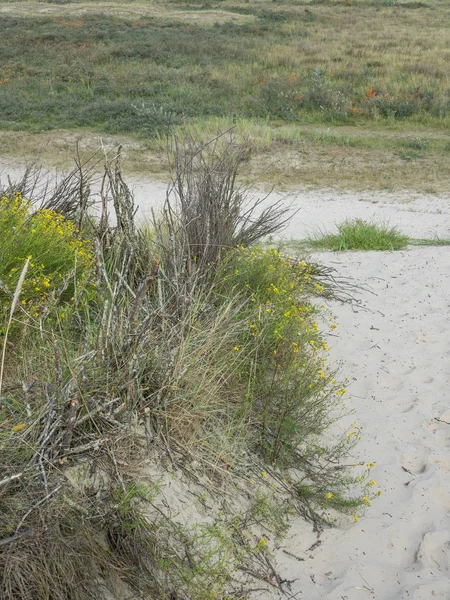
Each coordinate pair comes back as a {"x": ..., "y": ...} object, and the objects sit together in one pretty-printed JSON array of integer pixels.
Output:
[
  {"x": 358, "y": 234},
  {"x": 56, "y": 254}
]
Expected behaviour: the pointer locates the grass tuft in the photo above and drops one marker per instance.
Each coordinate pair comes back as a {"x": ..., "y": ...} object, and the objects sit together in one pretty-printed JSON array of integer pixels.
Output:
[{"x": 357, "y": 234}]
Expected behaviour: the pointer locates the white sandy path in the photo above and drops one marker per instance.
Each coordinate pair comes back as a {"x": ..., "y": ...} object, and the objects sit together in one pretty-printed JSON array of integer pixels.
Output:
[
  {"x": 397, "y": 352},
  {"x": 417, "y": 215}
]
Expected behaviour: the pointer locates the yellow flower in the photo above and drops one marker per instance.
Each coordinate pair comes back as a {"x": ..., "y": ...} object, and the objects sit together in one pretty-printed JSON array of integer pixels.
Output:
[
  {"x": 355, "y": 518},
  {"x": 329, "y": 495},
  {"x": 366, "y": 500},
  {"x": 19, "y": 427},
  {"x": 237, "y": 348}
]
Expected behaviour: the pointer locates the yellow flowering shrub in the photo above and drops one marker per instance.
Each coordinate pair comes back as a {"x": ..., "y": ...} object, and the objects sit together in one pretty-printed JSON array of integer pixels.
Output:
[
  {"x": 280, "y": 290},
  {"x": 51, "y": 242},
  {"x": 290, "y": 391},
  {"x": 291, "y": 394}
]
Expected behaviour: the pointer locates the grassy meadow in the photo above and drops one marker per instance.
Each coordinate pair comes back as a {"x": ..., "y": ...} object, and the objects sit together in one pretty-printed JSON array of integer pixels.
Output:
[{"x": 353, "y": 93}]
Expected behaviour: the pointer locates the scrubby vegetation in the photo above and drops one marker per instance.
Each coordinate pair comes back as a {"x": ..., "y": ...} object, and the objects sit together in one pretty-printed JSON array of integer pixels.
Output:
[
  {"x": 147, "y": 68},
  {"x": 178, "y": 356},
  {"x": 333, "y": 93}
]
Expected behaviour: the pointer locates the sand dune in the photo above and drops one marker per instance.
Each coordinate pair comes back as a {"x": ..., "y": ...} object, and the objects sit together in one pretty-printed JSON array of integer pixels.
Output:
[{"x": 395, "y": 348}]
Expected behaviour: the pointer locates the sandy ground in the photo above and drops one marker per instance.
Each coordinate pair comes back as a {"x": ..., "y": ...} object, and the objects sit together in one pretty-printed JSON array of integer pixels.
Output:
[
  {"x": 417, "y": 215},
  {"x": 314, "y": 210},
  {"x": 395, "y": 347}
]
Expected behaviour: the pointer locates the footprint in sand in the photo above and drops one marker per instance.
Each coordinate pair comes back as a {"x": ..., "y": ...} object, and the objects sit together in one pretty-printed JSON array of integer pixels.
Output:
[
  {"x": 411, "y": 405},
  {"x": 442, "y": 462},
  {"x": 425, "y": 337},
  {"x": 431, "y": 591},
  {"x": 441, "y": 498},
  {"x": 434, "y": 550},
  {"x": 413, "y": 464}
]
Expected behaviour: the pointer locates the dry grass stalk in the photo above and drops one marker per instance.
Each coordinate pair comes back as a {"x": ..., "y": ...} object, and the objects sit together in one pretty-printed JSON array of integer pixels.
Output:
[
  {"x": 212, "y": 209},
  {"x": 146, "y": 355},
  {"x": 14, "y": 303}
]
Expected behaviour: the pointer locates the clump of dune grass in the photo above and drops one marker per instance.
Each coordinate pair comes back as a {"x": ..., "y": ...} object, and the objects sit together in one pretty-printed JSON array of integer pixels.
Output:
[
  {"x": 357, "y": 234},
  {"x": 183, "y": 346}
]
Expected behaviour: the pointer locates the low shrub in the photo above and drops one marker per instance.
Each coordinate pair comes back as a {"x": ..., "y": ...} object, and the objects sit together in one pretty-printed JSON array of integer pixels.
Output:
[
  {"x": 57, "y": 254},
  {"x": 203, "y": 356},
  {"x": 281, "y": 339}
]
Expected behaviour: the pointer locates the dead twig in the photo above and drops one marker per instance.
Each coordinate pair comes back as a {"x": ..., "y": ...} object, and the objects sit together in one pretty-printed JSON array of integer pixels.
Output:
[
  {"x": 24, "y": 518},
  {"x": 7, "y": 480}
]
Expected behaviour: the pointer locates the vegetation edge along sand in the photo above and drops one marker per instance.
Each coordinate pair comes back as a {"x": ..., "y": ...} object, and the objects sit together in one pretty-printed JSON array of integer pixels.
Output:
[{"x": 179, "y": 352}]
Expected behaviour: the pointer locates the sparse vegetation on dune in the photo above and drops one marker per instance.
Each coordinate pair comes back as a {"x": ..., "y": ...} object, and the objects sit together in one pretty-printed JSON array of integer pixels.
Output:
[
  {"x": 281, "y": 74},
  {"x": 179, "y": 352},
  {"x": 327, "y": 62}
]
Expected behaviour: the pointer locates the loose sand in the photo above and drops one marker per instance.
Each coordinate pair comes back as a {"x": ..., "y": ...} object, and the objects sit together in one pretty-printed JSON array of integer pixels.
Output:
[
  {"x": 395, "y": 348},
  {"x": 417, "y": 215}
]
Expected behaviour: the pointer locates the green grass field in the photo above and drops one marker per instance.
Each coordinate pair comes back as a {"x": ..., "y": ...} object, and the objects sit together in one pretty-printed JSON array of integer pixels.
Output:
[{"x": 362, "y": 82}]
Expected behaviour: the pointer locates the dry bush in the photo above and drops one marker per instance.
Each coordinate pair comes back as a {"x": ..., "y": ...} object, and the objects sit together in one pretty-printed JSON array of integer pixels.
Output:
[
  {"x": 155, "y": 356},
  {"x": 207, "y": 210}
]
